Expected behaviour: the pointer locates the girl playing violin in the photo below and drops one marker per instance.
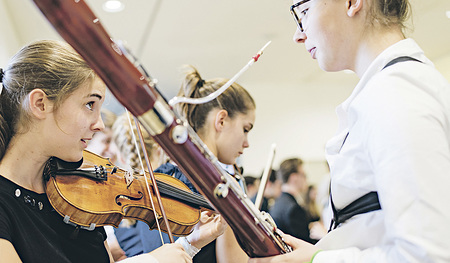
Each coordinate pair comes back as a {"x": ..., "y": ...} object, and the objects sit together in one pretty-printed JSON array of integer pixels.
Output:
[
  {"x": 50, "y": 106},
  {"x": 223, "y": 125}
]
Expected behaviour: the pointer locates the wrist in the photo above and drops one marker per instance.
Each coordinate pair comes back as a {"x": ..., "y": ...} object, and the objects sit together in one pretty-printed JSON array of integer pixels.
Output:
[
  {"x": 313, "y": 256},
  {"x": 188, "y": 247}
]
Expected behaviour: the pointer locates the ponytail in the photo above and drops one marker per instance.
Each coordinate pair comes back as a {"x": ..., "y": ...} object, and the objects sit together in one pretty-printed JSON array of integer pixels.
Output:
[{"x": 234, "y": 100}]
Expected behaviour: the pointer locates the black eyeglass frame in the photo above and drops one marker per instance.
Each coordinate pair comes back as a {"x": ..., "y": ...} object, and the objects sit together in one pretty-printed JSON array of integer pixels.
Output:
[{"x": 294, "y": 14}]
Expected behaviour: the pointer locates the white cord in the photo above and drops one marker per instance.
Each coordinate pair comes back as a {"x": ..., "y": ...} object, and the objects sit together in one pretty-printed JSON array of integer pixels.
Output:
[{"x": 216, "y": 93}]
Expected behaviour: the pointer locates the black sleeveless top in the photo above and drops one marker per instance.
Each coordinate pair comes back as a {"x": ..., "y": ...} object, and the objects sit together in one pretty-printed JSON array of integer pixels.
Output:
[{"x": 38, "y": 232}]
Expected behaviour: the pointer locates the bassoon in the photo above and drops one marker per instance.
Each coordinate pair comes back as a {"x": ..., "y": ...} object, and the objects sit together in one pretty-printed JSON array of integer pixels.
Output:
[{"x": 78, "y": 25}]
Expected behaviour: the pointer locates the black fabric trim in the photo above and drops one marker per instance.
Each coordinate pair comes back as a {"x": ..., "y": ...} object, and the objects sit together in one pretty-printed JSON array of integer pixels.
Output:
[
  {"x": 400, "y": 59},
  {"x": 366, "y": 203}
]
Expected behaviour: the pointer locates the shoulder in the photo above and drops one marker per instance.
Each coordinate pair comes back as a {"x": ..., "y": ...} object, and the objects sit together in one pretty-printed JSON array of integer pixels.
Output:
[
  {"x": 400, "y": 90},
  {"x": 284, "y": 202},
  {"x": 167, "y": 168}
]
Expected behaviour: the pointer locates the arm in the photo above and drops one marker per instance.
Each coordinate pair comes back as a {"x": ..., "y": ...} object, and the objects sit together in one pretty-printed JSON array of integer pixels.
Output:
[
  {"x": 114, "y": 247},
  {"x": 228, "y": 249},
  {"x": 8, "y": 252},
  {"x": 168, "y": 253},
  {"x": 302, "y": 252}
]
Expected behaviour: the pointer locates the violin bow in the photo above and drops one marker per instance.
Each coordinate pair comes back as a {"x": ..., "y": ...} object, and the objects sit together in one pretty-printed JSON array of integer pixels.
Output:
[
  {"x": 152, "y": 178},
  {"x": 78, "y": 25},
  {"x": 265, "y": 177},
  {"x": 136, "y": 62}
]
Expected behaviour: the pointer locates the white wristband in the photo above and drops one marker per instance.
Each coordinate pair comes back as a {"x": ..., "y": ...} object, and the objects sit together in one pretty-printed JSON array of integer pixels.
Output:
[
  {"x": 143, "y": 258},
  {"x": 190, "y": 249}
]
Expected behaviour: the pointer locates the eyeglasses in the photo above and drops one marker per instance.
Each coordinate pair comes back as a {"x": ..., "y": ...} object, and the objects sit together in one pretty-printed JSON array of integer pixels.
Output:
[{"x": 298, "y": 16}]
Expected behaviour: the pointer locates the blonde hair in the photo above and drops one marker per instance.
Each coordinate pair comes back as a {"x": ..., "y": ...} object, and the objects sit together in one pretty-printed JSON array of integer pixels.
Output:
[
  {"x": 234, "y": 100},
  {"x": 52, "y": 66},
  {"x": 108, "y": 117},
  {"x": 123, "y": 138},
  {"x": 388, "y": 13}
]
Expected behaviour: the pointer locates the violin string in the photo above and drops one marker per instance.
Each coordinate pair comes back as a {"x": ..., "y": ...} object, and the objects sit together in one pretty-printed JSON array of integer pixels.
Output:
[
  {"x": 183, "y": 195},
  {"x": 146, "y": 180}
]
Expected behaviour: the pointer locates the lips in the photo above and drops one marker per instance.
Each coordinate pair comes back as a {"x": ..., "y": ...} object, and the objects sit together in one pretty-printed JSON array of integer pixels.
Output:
[
  {"x": 84, "y": 141},
  {"x": 312, "y": 51}
]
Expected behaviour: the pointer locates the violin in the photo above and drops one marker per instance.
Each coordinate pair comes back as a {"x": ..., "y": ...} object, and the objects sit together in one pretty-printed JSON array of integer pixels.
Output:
[{"x": 94, "y": 192}]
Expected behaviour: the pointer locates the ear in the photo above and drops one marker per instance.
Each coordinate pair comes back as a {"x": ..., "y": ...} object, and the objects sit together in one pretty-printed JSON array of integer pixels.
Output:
[
  {"x": 38, "y": 103},
  {"x": 219, "y": 121},
  {"x": 353, "y": 7}
]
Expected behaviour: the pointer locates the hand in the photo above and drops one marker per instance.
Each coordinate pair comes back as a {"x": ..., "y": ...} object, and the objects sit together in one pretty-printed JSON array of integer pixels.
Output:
[
  {"x": 209, "y": 227},
  {"x": 117, "y": 252},
  {"x": 302, "y": 252},
  {"x": 317, "y": 230},
  {"x": 171, "y": 253}
]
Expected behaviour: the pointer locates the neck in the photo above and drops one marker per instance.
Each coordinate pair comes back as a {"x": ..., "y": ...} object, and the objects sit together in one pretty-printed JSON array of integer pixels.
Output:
[
  {"x": 290, "y": 190},
  {"x": 209, "y": 139},
  {"x": 373, "y": 45},
  {"x": 295, "y": 193},
  {"x": 24, "y": 165}
]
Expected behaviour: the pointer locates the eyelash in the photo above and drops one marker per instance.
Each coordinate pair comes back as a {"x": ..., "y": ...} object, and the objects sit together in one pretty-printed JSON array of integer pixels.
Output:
[
  {"x": 90, "y": 105},
  {"x": 305, "y": 11}
]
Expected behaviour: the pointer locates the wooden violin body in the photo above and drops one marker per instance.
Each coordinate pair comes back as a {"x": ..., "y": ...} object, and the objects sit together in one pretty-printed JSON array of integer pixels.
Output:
[{"x": 104, "y": 196}]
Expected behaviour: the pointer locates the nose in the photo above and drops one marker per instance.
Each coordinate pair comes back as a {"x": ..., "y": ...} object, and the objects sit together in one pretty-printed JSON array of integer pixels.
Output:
[
  {"x": 299, "y": 36},
  {"x": 246, "y": 143},
  {"x": 98, "y": 125}
]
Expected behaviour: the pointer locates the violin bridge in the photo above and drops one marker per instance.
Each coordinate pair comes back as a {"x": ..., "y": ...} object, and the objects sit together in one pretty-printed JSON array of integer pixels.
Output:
[{"x": 128, "y": 178}]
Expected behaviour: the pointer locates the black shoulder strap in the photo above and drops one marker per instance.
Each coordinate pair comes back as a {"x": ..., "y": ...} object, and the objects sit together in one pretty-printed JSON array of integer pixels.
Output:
[
  {"x": 366, "y": 203},
  {"x": 400, "y": 59}
]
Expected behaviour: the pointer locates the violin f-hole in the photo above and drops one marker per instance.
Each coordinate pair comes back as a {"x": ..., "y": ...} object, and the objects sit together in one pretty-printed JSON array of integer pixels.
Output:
[{"x": 127, "y": 197}]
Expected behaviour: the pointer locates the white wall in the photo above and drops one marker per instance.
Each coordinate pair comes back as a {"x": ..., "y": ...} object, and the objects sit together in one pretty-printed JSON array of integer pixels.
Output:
[{"x": 8, "y": 39}]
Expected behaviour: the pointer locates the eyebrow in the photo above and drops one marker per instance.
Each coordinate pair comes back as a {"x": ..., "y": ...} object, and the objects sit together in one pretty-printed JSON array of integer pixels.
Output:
[{"x": 94, "y": 95}]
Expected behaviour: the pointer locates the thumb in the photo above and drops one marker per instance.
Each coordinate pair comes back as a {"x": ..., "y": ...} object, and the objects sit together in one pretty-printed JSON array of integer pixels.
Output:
[{"x": 291, "y": 241}]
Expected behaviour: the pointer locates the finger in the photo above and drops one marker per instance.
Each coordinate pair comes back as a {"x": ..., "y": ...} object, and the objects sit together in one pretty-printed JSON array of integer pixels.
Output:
[
  {"x": 222, "y": 221},
  {"x": 207, "y": 212},
  {"x": 187, "y": 258},
  {"x": 218, "y": 218},
  {"x": 292, "y": 241},
  {"x": 205, "y": 217}
]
